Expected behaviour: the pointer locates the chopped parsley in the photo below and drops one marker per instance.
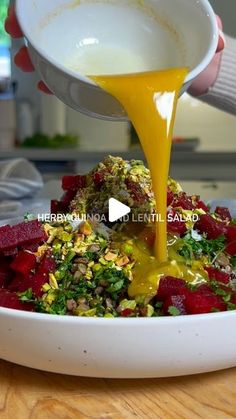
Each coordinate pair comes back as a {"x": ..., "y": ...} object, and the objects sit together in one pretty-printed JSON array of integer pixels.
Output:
[
  {"x": 173, "y": 311},
  {"x": 210, "y": 248}
]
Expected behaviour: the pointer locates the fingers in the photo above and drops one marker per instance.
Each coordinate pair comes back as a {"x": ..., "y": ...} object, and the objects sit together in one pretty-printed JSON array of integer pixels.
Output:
[
  {"x": 11, "y": 24},
  {"x": 221, "y": 42},
  {"x": 42, "y": 86},
  {"x": 23, "y": 60}
]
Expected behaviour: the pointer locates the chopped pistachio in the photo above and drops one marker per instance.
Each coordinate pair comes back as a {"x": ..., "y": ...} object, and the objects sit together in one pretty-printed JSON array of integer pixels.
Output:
[
  {"x": 53, "y": 282},
  {"x": 110, "y": 256}
]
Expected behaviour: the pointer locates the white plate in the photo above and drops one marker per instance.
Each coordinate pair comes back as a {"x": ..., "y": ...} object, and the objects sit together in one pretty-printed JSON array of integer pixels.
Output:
[{"x": 120, "y": 348}]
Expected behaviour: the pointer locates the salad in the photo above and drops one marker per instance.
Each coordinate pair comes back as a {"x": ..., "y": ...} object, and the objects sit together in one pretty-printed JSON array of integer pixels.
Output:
[{"x": 80, "y": 264}]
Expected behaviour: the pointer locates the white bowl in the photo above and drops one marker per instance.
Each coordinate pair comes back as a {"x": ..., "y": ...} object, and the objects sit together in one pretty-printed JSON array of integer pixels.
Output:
[
  {"x": 119, "y": 348},
  {"x": 130, "y": 37}
]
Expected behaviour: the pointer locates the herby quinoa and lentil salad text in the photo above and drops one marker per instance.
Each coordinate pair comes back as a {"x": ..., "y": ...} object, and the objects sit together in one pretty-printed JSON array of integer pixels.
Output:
[{"x": 82, "y": 265}]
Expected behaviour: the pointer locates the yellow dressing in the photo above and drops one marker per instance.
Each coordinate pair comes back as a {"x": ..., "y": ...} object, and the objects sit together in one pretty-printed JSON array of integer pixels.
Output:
[
  {"x": 147, "y": 271},
  {"x": 150, "y": 100}
]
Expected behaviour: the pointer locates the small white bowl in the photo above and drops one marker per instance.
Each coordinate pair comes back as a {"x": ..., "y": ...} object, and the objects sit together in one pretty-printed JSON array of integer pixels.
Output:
[
  {"x": 163, "y": 33},
  {"x": 160, "y": 34}
]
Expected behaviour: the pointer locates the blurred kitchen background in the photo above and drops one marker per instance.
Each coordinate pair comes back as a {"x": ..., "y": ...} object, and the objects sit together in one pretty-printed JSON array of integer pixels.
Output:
[{"x": 59, "y": 140}]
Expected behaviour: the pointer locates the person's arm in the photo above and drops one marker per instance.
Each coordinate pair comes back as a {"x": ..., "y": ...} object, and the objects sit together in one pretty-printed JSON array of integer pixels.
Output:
[{"x": 222, "y": 94}]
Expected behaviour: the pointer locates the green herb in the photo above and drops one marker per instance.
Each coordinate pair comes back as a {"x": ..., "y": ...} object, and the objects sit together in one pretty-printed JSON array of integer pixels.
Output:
[
  {"x": 173, "y": 311},
  {"x": 58, "y": 141},
  {"x": 26, "y": 295},
  {"x": 233, "y": 262},
  {"x": 210, "y": 248}
]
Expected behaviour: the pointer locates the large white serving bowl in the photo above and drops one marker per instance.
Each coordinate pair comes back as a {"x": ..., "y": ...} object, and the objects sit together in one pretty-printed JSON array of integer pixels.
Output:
[
  {"x": 157, "y": 33},
  {"x": 119, "y": 348}
]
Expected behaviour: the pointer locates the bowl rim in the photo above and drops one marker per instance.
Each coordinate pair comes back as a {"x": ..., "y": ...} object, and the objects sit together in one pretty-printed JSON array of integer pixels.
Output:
[
  {"x": 21, "y": 12},
  {"x": 101, "y": 321}
]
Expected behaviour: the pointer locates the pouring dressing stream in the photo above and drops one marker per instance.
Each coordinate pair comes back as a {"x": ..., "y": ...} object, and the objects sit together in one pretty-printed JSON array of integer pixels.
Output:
[{"x": 150, "y": 100}]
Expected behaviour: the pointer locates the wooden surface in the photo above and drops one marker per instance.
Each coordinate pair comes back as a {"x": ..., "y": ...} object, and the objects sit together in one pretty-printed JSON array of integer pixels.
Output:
[{"x": 30, "y": 394}]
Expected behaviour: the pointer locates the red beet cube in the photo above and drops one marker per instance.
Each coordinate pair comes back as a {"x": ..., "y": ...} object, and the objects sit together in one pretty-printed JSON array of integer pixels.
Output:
[
  {"x": 5, "y": 273},
  {"x": 183, "y": 201},
  {"x": 177, "y": 301},
  {"x": 11, "y": 300},
  {"x": 20, "y": 283},
  {"x": 99, "y": 179},
  {"x": 223, "y": 212},
  {"x": 127, "y": 312},
  {"x": 73, "y": 183},
  {"x": 198, "y": 303},
  {"x": 8, "y": 238},
  {"x": 33, "y": 247},
  {"x": 29, "y": 232},
  {"x": 11, "y": 252},
  {"x": 217, "y": 275},
  {"x": 211, "y": 227},
  {"x": 170, "y": 197},
  {"x": 233, "y": 299},
  {"x": 231, "y": 248},
  {"x": 57, "y": 207},
  {"x": 67, "y": 198},
  {"x": 205, "y": 289},
  {"x": 24, "y": 263},
  {"x": 231, "y": 233},
  {"x": 203, "y": 206},
  {"x": 175, "y": 224},
  {"x": 37, "y": 282},
  {"x": 169, "y": 286},
  {"x": 47, "y": 264}
]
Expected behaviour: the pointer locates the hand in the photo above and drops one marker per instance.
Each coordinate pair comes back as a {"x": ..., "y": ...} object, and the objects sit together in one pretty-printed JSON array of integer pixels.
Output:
[
  {"x": 208, "y": 77},
  {"x": 22, "y": 58}
]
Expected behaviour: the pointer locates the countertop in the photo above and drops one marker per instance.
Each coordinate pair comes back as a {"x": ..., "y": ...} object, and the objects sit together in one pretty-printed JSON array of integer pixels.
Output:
[{"x": 31, "y": 394}]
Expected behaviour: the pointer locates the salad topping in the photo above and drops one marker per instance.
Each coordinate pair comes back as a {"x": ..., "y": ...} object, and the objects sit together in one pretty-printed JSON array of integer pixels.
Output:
[{"x": 92, "y": 268}]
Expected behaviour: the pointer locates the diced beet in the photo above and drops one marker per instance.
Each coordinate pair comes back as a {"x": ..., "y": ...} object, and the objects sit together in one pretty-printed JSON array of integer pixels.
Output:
[
  {"x": 231, "y": 248},
  {"x": 57, "y": 207},
  {"x": 223, "y": 212},
  {"x": 170, "y": 197},
  {"x": 127, "y": 312},
  {"x": 98, "y": 179},
  {"x": 175, "y": 224},
  {"x": 5, "y": 273},
  {"x": 198, "y": 303},
  {"x": 11, "y": 300},
  {"x": 11, "y": 252},
  {"x": 73, "y": 183},
  {"x": 233, "y": 299},
  {"x": 47, "y": 264},
  {"x": 169, "y": 286},
  {"x": 205, "y": 289},
  {"x": 29, "y": 232},
  {"x": 211, "y": 227},
  {"x": 136, "y": 192},
  {"x": 217, "y": 275},
  {"x": 24, "y": 263},
  {"x": 67, "y": 198},
  {"x": 177, "y": 301},
  {"x": 231, "y": 233},
  {"x": 202, "y": 205},
  {"x": 8, "y": 238},
  {"x": 33, "y": 247},
  {"x": 148, "y": 236},
  {"x": 20, "y": 283},
  {"x": 54, "y": 206},
  {"x": 183, "y": 201},
  {"x": 37, "y": 282}
]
